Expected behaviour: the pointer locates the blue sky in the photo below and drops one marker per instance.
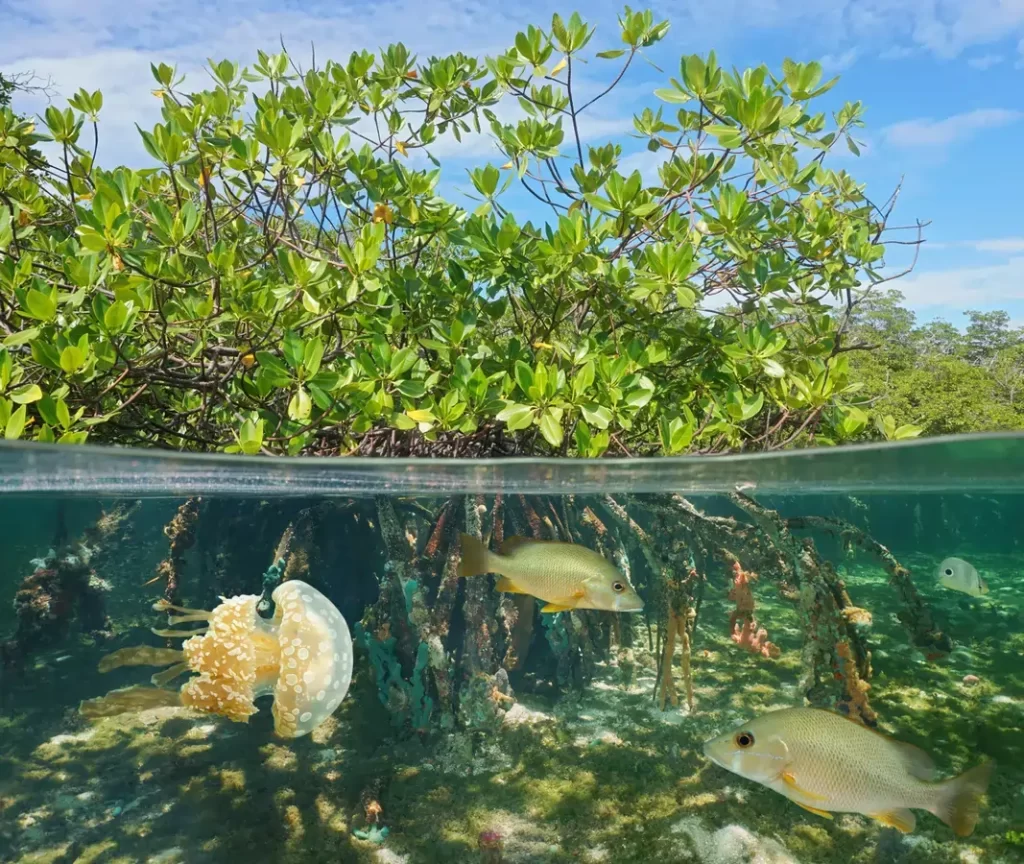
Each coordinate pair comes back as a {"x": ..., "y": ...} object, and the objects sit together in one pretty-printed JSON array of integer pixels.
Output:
[{"x": 941, "y": 79}]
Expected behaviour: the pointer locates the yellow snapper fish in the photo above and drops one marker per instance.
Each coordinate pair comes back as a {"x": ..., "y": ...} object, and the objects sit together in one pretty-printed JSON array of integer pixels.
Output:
[
  {"x": 957, "y": 575},
  {"x": 564, "y": 575},
  {"x": 824, "y": 762}
]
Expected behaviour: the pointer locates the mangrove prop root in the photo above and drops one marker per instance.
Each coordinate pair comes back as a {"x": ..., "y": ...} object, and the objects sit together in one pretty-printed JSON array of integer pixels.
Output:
[
  {"x": 536, "y": 527},
  {"x": 508, "y": 609},
  {"x": 559, "y": 525},
  {"x": 498, "y": 522},
  {"x": 525, "y": 604},
  {"x": 297, "y": 544},
  {"x": 64, "y": 587},
  {"x": 438, "y": 531},
  {"x": 405, "y": 649},
  {"x": 683, "y": 595},
  {"x": 915, "y": 614},
  {"x": 181, "y": 531},
  {"x": 589, "y": 518},
  {"x": 440, "y": 622},
  {"x": 641, "y": 542},
  {"x": 479, "y": 641},
  {"x": 677, "y": 627}
]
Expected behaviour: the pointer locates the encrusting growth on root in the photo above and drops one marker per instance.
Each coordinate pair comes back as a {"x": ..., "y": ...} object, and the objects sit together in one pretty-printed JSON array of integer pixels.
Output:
[
  {"x": 915, "y": 615},
  {"x": 743, "y": 629},
  {"x": 856, "y": 704},
  {"x": 678, "y": 625},
  {"x": 181, "y": 531}
]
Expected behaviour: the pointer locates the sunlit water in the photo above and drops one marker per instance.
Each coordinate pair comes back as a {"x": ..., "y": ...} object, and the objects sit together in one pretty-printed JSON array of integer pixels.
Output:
[{"x": 545, "y": 739}]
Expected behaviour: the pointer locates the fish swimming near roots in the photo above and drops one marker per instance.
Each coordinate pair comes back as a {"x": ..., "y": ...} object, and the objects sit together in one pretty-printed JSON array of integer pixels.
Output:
[
  {"x": 958, "y": 575},
  {"x": 825, "y": 763},
  {"x": 563, "y": 575}
]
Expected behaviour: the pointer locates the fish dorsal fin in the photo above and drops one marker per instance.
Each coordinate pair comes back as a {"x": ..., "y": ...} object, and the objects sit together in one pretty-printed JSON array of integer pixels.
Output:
[
  {"x": 918, "y": 763},
  {"x": 510, "y": 544}
]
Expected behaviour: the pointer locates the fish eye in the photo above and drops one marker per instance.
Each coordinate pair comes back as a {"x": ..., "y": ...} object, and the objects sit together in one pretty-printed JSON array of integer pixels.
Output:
[
  {"x": 949, "y": 571},
  {"x": 744, "y": 739},
  {"x": 618, "y": 587}
]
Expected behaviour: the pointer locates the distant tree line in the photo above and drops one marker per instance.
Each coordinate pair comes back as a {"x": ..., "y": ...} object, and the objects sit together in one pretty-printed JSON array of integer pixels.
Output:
[{"x": 945, "y": 379}]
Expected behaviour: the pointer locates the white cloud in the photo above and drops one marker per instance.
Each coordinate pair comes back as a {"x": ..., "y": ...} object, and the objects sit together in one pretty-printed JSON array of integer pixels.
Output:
[
  {"x": 835, "y": 63},
  {"x": 646, "y": 162},
  {"x": 926, "y": 132},
  {"x": 997, "y": 245},
  {"x": 942, "y": 27},
  {"x": 1005, "y": 244},
  {"x": 109, "y": 45},
  {"x": 985, "y": 61},
  {"x": 965, "y": 287},
  {"x": 897, "y": 52}
]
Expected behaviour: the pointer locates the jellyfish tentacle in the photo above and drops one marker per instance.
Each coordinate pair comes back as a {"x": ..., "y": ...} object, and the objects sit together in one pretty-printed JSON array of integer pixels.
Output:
[
  {"x": 178, "y": 634},
  {"x": 140, "y": 655},
  {"x": 137, "y": 698},
  {"x": 169, "y": 674}
]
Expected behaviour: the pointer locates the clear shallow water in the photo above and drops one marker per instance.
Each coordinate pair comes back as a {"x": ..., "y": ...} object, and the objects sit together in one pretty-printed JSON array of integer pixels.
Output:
[{"x": 544, "y": 735}]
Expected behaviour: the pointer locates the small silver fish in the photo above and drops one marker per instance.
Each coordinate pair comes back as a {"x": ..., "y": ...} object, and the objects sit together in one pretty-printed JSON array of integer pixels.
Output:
[{"x": 957, "y": 575}]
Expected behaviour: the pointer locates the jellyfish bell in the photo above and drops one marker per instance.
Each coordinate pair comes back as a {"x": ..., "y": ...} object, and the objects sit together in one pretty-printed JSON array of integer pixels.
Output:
[{"x": 302, "y": 656}]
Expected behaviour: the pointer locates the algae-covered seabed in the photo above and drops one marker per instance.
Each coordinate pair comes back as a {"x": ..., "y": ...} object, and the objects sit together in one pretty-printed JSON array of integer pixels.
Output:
[{"x": 606, "y": 778}]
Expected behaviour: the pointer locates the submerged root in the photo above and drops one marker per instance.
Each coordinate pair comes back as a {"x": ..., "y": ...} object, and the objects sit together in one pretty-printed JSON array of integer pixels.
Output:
[
  {"x": 678, "y": 625},
  {"x": 137, "y": 698},
  {"x": 140, "y": 655}
]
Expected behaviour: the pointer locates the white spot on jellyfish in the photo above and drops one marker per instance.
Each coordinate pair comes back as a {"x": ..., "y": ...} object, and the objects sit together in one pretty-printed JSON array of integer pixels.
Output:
[
  {"x": 308, "y": 598},
  {"x": 321, "y": 696},
  {"x": 325, "y": 646},
  {"x": 332, "y": 633},
  {"x": 298, "y": 688},
  {"x": 336, "y": 684},
  {"x": 292, "y": 664},
  {"x": 303, "y": 654},
  {"x": 288, "y": 651},
  {"x": 307, "y": 676},
  {"x": 290, "y": 679},
  {"x": 306, "y": 717}
]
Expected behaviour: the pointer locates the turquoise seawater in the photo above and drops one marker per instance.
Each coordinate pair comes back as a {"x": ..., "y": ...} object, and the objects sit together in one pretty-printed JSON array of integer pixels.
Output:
[{"x": 443, "y": 718}]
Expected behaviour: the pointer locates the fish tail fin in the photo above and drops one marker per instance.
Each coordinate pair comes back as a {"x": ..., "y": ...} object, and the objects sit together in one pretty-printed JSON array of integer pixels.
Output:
[
  {"x": 476, "y": 558},
  {"x": 959, "y": 801}
]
